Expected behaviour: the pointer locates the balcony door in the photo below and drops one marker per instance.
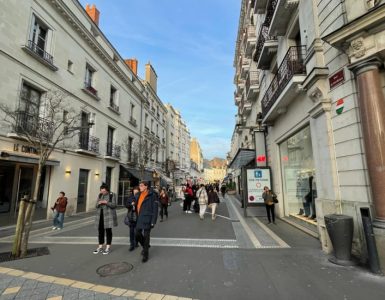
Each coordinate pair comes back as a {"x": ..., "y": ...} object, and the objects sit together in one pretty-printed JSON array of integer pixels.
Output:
[
  {"x": 84, "y": 131},
  {"x": 82, "y": 190},
  {"x": 110, "y": 139}
]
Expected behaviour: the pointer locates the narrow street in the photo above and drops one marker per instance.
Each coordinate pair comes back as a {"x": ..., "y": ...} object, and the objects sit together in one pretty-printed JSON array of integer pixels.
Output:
[{"x": 230, "y": 258}]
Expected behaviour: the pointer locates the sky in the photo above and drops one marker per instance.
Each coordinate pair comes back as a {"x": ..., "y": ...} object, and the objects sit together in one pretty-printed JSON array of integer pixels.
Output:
[{"x": 191, "y": 45}]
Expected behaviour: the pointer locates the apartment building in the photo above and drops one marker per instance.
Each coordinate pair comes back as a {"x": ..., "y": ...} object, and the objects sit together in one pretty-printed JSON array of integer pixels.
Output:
[
  {"x": 58, "y": 46},
  {"x": 318, "y": 105}
]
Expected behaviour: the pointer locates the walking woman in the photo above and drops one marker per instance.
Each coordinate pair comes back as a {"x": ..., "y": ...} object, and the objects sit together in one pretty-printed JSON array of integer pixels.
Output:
[
  {"x": 163, "y": 197},
  {"x": 213, "y": 201},
  {"x": 132, "y": 217},
  {"x": 106, "y": 218},
  {"x": 202, "y": 200},
  {"x": 268, "y": 197}
]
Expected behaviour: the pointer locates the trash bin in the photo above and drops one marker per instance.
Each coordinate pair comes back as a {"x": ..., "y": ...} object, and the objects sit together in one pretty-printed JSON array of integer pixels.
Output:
[{"x": 340, "y": 230}]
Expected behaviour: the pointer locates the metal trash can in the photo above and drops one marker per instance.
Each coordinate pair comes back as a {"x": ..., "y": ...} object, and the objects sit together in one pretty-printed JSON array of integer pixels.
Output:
[{"x": 340, "y": 230}]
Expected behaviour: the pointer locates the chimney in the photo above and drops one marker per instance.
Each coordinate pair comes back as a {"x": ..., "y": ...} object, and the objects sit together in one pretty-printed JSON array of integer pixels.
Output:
[
  {"x": 132, "y": 63},
  {"x": 151, "y": 76},
  {"x": 93, "y": 12}
]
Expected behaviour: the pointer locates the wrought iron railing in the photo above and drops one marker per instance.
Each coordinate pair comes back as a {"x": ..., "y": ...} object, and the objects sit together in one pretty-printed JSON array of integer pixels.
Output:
[
  {"x": 262, "y": 38},
  {"x": 114, "y": 106},
  {"x": 270, "y": 12},
  {"x": 113, "y": 150},
  {"x": 88, "y": 142},
  {"x": 90, "y": 88},
  {"x": 292, "y": 64},
  {"x": 33, "y": 125},
  {"x": 40, "y": 52},
  {"x": 252, "y": 79}
]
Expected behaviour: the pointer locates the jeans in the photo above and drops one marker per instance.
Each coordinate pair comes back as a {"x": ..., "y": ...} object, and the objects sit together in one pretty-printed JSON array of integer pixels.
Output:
[
  {"x": 163, "y": 210},
  {"x": 132, "y": 235},
  {"x": 202, "y": 210},
  {"x": 270, "y": 212},
  {"x": 143, "y": 237},
  {"x": 58, "y": 220},
  {"x": 101, "y": 229},
  {"x": 213, "y": 207}
]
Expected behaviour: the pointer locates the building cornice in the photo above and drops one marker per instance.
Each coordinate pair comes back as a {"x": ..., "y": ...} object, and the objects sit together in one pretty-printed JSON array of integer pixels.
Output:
[
  {"x": 368, "y": 21},
  {"x": 126, "y": 76}
]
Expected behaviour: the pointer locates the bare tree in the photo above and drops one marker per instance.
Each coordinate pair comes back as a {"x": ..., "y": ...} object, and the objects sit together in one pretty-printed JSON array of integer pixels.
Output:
[
  {"x": 140, "y": 152},
  {"x": 44, "y": 130}
]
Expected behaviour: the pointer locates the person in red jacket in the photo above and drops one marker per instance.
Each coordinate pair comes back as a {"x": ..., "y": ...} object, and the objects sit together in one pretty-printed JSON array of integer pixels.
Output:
[{"x": 59, "y": 209}]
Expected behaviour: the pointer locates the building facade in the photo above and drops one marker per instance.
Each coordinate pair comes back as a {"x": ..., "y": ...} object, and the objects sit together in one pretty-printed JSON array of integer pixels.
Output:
[
  {"x": 58, "y": 46},
  {"x": 310, "y": 99}
]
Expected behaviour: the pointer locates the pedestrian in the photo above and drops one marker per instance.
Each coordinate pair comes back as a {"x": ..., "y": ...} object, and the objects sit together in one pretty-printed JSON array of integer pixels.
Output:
[
  {"x": 59, "y": 209},
  {"x": 132, "y": 217},
  {"x": 188, "y": 193},
  {"x": 268, "y": 197},
  {"x": 106, "y": 218},
  {"x": 147, "y": 207},
  {"x": 223, "y": 190},
  {"x": 213, "y": 201},
  {"x": 202, "y": 200},
  {"x": 164, "y": 200}
]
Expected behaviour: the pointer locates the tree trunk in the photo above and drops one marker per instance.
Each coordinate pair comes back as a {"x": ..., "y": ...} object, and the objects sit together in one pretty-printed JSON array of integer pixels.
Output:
[
  {"x": 19, "y": 228},
  {"x": 30, "y": 212}
]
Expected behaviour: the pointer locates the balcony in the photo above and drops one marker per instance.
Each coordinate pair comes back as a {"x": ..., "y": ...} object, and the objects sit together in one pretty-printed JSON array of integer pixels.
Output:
[
  {"x": 252, "y": 85},
  {"x": 146, "y": 130},
  {"x": 113, "y": 151},
  {"x": 283, "y": 11},
  {"x": 32, "y": 126},
  {"x": 260, "y": 6},
  {"x": 245, "y": 66},
  {"x": 114, "y": 107},
  {"x": 240, "y": 86},
  {"x": 40, "y": 54},
  {"x": 284, "y": 85},
  {"x": 132, "y": 121},
  {"x": 266, "y": 48},
  {"x": 90, "y": 90},
  {"x": 237, "y": 98},
  {"x": 250, "y": 40},
  {"x": 245, "y": 108},
  {"x": 88, "y": 144}
]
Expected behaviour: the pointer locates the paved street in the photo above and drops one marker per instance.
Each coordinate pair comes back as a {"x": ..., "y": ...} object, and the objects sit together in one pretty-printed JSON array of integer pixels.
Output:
[{"x": 231, "y": 258}]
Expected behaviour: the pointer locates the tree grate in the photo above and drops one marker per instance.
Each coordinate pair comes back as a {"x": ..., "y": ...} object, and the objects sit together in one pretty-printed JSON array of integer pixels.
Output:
[{"x": 34, "y": 252}]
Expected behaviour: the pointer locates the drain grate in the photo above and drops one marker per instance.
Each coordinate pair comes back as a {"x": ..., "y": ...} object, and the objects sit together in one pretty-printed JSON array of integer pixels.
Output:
[
  {"x": 34, "y": 252},
  {"x": 114, "y": 269}
]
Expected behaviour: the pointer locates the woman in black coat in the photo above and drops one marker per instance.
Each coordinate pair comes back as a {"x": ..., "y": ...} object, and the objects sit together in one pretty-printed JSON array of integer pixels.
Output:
[
  {"x": 146, "y": 203},
  {"x": 132, "y": 217}
]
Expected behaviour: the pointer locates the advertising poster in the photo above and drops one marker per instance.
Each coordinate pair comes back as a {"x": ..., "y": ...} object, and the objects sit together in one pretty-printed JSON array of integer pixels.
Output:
[{"x": 256, "y": 180}]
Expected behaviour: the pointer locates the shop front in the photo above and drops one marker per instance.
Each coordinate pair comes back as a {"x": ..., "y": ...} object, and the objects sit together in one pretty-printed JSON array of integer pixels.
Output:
[{"x": 298, "y": 177}]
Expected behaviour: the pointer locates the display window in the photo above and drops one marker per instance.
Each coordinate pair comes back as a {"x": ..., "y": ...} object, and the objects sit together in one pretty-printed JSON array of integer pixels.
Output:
[{"x": 298, "y": 175}]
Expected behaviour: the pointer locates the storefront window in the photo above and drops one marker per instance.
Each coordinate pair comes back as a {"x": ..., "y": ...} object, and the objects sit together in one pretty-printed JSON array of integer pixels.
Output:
[{"x": 298, "y": 175}]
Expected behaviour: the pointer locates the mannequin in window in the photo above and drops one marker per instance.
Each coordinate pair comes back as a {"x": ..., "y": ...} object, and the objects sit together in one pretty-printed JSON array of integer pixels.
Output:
[
  {"x": 313, "y": 198},
  {"x": 303, "y": 190}
]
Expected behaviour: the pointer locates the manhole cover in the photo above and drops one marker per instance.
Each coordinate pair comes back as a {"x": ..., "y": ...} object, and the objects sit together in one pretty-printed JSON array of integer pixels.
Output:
[{"x": 114, "y": 269}]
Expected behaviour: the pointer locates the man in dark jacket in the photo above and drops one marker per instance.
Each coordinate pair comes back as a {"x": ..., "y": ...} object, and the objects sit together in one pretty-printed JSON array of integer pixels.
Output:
[{"x": 146, "y": 203}]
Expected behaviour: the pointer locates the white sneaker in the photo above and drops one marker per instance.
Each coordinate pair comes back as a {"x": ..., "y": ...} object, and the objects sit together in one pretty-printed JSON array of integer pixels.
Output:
[{"x": 54, "y": 228}]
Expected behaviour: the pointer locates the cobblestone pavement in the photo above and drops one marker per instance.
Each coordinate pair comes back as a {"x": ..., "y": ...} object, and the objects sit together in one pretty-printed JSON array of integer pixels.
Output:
[{"x": 19, "y": 285}]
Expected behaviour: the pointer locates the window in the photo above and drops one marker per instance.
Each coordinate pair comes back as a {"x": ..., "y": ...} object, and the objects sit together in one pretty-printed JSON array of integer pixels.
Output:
[
  {"x": 132, "y": 111},
  {"x": 70, "y": 66},
  {"x": 129, "y": 148},
  {"x": 28, "y": 113},
  {"x": 110, "y": 139},
  {"x": 146, "y": 121},
  {"x": 152, "y": 125},
  {"x": 89, "y": 80},
  {"x": 157, "y": 130},
  {"x": 113, "y": 98}
]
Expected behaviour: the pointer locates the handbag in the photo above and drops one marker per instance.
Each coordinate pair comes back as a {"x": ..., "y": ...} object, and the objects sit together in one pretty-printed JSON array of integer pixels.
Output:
[
  {"x": 275, "y": 200},
  {"x": 126, "y": 220}
]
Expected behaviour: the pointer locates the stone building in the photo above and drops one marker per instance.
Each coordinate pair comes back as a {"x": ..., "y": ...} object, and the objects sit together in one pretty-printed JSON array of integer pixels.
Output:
[{"x": 318, "y": 103}]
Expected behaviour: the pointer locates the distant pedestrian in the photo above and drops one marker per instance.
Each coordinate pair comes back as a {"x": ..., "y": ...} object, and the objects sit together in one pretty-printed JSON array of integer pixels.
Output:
[
  {"x": 188, "y": 193},
  {"x": 164, "y": 200},
  {"x": 147, "y": 207},
  {"x": 268, "y": 197},
  {"x": 106, "y": 218},
  {"x": 132, "y": 216},
  {"x": 223, "y": 190},
  {"x": 213, "y": 201},
  {"x": 202, "y": 200},
  {"x": 59, "y": 209}
]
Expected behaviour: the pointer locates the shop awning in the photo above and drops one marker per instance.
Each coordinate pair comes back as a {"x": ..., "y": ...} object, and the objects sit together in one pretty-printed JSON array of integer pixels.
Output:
[
  {"x": 242, "y": 158},
  {"x": 12, "y": 156},
  {"x": 147, "y": 175}
]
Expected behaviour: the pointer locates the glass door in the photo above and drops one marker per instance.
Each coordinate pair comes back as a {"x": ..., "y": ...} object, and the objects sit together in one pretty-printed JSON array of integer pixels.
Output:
[
  {"x": 124, "y": 191},
  {"x": 82, "y": 190}
]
